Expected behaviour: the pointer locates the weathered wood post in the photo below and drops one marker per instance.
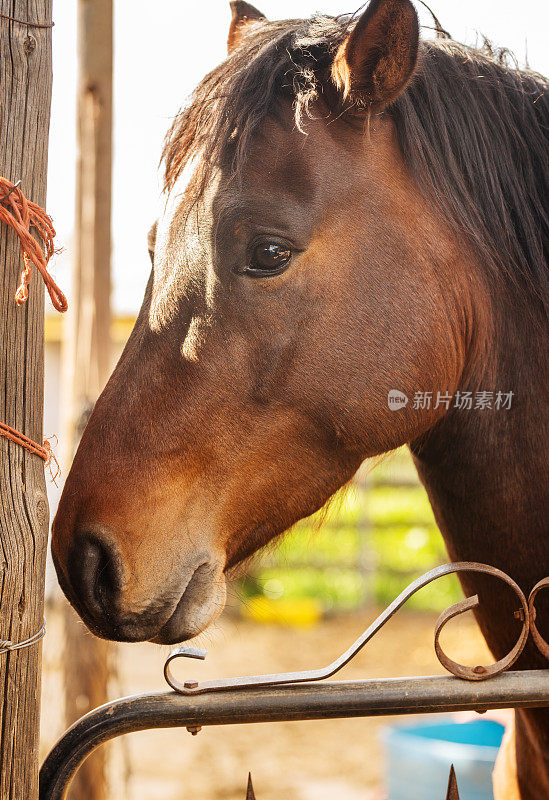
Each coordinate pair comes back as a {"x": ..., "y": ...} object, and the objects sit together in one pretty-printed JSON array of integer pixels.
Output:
[
  {"x": 88, "y": 354},
  {"x": 25, "y": 95}
]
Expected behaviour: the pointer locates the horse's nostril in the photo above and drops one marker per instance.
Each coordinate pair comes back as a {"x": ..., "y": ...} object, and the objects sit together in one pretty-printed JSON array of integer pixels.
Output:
[{"x": 94, "y": 574}]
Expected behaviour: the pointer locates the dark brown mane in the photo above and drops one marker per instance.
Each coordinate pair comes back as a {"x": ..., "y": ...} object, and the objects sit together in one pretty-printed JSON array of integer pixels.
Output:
[{"x": 473, "y": 130}]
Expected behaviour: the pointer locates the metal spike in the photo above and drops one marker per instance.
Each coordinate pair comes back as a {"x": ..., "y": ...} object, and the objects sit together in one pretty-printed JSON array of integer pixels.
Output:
[
  {"x": 452, "y": 793},
  {"x": 250, "y": 790}
]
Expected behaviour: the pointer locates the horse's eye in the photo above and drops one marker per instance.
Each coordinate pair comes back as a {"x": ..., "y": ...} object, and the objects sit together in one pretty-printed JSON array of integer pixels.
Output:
[{"x": 269, "y": 258}]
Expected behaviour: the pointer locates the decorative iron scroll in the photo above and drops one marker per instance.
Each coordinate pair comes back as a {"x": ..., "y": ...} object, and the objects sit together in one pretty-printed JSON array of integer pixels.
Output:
[
  {"x": 542, "y": 645},
  {"x": 526, "y": 613}
]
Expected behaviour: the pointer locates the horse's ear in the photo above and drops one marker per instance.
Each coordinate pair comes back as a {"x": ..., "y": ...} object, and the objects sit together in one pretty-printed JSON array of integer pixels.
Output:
[
  {"x": 378, "y": 57},
  {"x": 244, "y": 14}
]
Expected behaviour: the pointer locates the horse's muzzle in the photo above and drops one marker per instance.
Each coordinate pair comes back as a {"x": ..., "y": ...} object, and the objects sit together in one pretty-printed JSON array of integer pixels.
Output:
[
  {"x": 200, "y": 604},
  {"x": 95, "y": 573},
  {"x": 94, "y": 585}
]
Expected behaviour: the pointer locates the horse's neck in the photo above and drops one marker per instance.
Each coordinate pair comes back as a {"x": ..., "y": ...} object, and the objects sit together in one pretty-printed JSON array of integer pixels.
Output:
[
  {"x": 488, "y": 485},
  {"x": 486, "y": 473}
]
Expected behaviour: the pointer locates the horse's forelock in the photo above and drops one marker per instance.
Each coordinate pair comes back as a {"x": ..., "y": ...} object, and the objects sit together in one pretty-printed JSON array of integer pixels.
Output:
[{"x": 275, "y": 60}]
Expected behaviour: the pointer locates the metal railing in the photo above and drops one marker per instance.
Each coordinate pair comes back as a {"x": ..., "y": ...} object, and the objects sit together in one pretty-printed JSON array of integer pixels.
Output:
[{"x": 308, "y": 696}]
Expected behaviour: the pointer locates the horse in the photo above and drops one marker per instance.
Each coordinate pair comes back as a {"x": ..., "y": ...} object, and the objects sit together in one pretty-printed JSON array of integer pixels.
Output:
[{"x": 352, "y": 256}]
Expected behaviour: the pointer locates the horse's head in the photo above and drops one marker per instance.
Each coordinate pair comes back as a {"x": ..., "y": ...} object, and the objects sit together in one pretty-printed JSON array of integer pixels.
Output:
[{"x": 298, "y": 277}]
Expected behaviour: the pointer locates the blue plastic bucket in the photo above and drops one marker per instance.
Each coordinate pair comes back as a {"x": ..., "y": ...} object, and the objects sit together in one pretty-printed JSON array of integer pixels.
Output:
[{"x": 418, "y": 758}]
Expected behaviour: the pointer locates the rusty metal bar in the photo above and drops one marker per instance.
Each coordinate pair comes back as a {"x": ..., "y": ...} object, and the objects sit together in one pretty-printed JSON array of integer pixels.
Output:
[
  {"x": 478, "y": 673},
  {"x": 328, "y": 700}
]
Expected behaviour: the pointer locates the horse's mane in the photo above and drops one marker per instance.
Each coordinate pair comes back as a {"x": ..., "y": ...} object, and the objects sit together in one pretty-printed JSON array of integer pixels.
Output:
[{"x": 472, "y": 127}]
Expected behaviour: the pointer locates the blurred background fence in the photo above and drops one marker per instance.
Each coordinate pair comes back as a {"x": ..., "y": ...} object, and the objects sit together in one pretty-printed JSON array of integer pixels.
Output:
[{"x": 374, "y": 538}]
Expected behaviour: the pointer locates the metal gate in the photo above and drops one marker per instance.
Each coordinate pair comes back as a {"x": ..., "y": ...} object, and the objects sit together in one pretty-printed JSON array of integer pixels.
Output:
[{"x": 300, "y": 696}]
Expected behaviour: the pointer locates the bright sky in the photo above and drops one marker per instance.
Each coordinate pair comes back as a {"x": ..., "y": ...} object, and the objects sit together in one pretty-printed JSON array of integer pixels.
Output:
[{"x": 162, "y": 50}]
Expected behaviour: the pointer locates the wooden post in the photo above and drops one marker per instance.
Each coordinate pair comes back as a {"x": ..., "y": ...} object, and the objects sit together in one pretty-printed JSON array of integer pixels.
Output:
[
  {"x": 88, "y": 345},
  {"x": 25, "y": 96}
]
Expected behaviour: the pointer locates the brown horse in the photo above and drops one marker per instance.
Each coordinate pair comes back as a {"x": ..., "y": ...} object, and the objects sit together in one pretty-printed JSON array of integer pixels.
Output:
[{"x": 349, "y": 212}]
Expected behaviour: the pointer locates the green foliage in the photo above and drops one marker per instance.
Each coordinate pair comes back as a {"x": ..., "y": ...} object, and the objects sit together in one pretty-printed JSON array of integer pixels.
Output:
[{"x": 367, "y": 546}]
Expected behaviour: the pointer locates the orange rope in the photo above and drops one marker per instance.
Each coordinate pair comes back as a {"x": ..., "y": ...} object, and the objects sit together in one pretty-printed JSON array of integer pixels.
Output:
[
  {"x": 20, "y": 214},
  {"x": 44, "y": 451}
]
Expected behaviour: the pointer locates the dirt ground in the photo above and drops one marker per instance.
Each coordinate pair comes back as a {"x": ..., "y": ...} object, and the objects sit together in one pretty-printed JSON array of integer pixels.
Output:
[{"x": 297, "y": 760}]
